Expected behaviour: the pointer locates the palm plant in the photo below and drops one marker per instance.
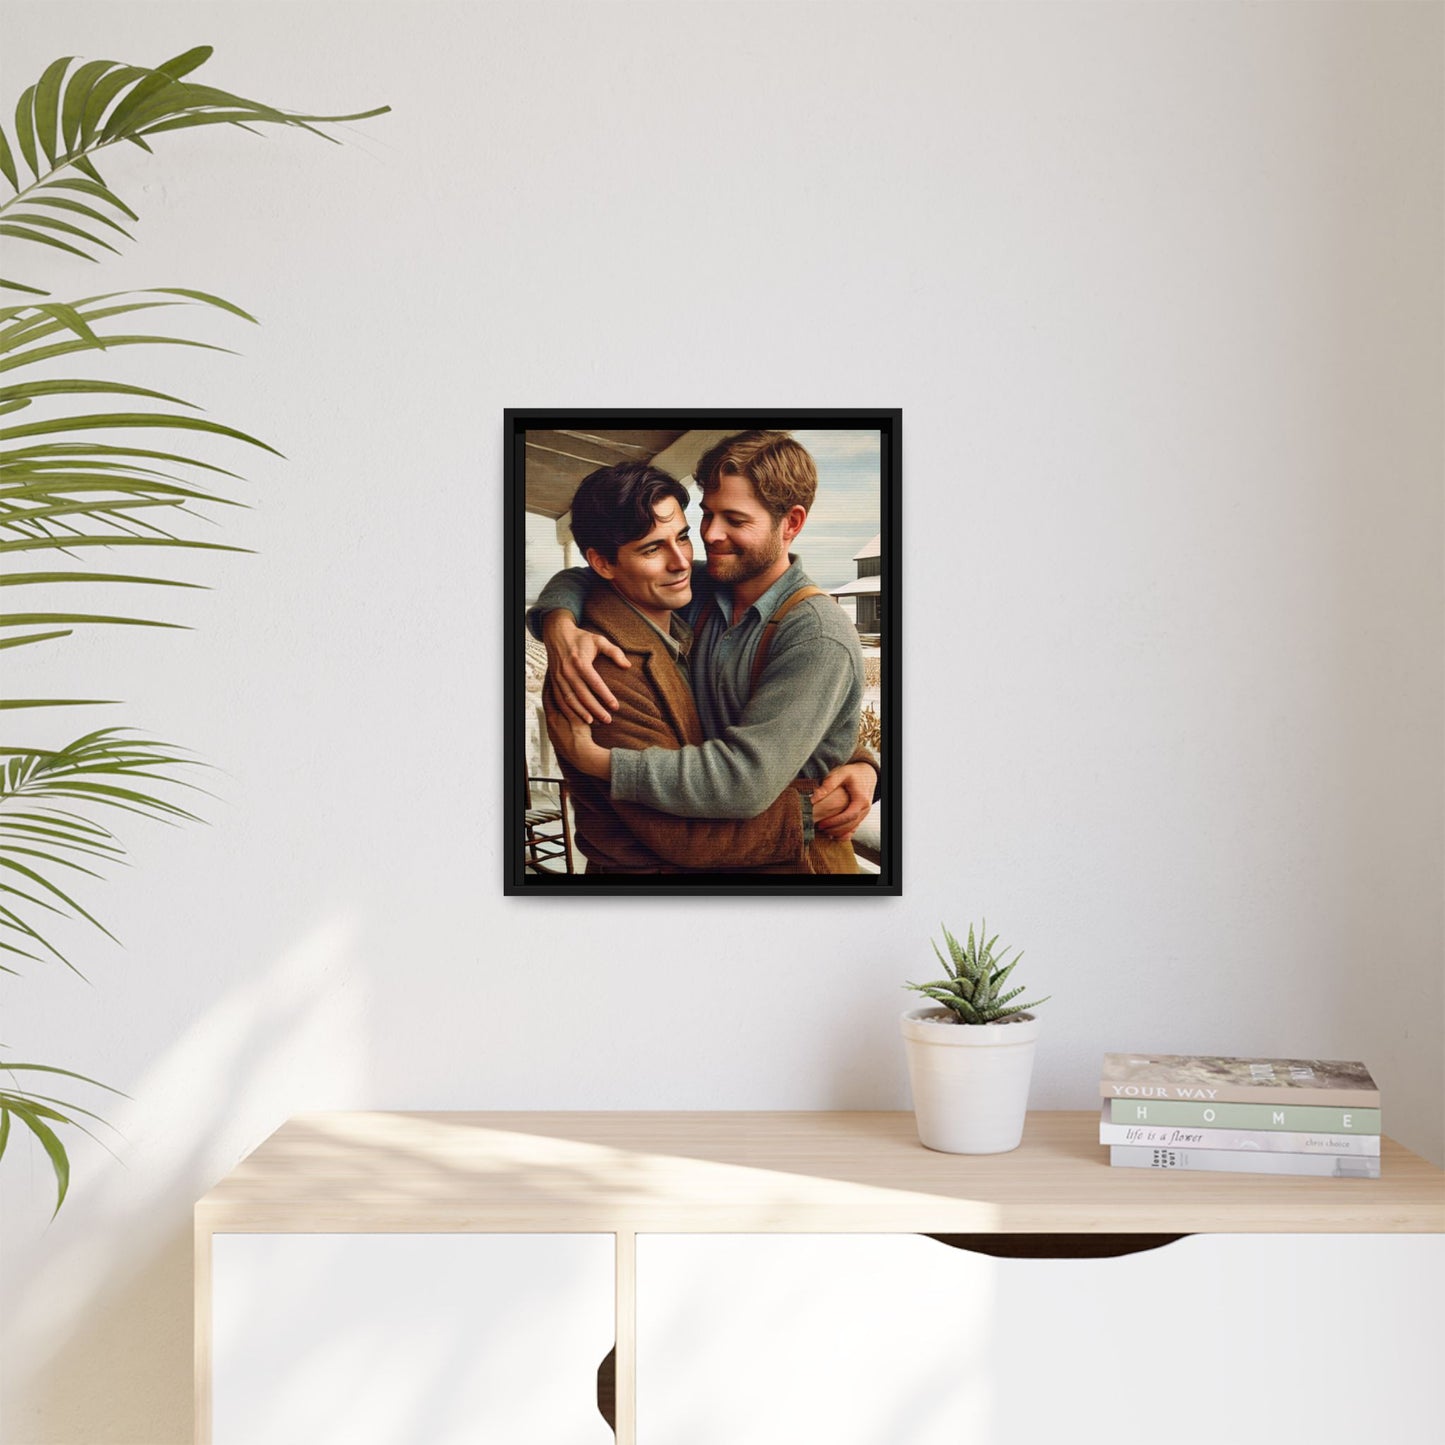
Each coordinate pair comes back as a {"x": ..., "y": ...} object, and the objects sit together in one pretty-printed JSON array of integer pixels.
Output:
[{"x": 75, "y": 486}]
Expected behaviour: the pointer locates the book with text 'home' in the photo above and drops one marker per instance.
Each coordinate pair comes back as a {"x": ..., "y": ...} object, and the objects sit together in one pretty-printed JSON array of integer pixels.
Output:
[
  {"x": 1301, "y": 1118},
  {"x": 1269, "y": 1141},
  {"x": 1241, "y": 1161},
  {"x": 1214, "y": 1079}
]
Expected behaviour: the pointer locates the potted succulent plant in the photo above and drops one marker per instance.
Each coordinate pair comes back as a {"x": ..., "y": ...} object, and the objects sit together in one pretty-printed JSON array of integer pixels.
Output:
[{"x": 970, "y": 1058}]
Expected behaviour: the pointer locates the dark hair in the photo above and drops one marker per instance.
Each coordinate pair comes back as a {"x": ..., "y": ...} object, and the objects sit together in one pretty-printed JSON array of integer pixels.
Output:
[
  {"x": 615, "y": 505},
  {"x": 779, "y": 467}
]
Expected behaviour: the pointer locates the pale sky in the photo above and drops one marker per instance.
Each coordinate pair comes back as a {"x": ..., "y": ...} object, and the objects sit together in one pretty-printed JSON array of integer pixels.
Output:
[{"x": 844, "y": 517}]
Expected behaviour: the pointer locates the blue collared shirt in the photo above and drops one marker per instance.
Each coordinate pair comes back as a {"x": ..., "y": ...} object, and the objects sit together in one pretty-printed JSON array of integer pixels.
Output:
[{"x": 724, "y": 654}]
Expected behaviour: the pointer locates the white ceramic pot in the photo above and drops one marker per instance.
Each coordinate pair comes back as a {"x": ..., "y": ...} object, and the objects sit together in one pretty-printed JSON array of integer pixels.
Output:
[{"x": 970, "y": 1081}]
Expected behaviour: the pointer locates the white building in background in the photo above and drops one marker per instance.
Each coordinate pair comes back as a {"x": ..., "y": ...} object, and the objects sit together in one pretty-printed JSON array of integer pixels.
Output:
[{"x": 867, "y": 590}]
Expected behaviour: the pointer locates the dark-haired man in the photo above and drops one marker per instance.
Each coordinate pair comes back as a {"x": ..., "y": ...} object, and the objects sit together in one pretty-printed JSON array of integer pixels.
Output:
[
  {"x": 629, "y": 521},
  {"x": 777, "y": 670}
]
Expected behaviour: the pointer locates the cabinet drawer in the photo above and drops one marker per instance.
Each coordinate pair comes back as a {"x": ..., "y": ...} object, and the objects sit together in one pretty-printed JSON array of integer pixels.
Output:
[
  {"x": 391, "y": 1339},
  {"x": 861, "y": 1339}
]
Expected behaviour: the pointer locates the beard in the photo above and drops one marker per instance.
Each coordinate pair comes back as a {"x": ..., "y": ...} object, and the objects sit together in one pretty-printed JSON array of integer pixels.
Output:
[{"x": 745, "y": 563}]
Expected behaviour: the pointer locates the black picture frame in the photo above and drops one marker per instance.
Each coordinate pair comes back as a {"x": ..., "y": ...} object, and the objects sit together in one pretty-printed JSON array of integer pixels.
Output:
[{"x": 519, "y": 879}]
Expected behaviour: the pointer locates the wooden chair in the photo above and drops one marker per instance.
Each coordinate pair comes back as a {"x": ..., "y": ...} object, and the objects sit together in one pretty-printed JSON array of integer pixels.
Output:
[{"x": 548, "y": 826}]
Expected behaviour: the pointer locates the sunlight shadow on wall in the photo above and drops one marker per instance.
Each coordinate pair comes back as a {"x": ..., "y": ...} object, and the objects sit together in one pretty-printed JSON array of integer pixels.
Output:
[{"x": 104, "y": 1352}]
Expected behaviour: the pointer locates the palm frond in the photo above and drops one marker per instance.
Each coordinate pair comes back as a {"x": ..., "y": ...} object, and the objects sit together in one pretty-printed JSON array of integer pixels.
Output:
[
  {"x": 74, "y": 111},
  {"x": 42, "y": 1113},
  {"x": 109, "y": 768},
  {"x": 63, "y": 491}
]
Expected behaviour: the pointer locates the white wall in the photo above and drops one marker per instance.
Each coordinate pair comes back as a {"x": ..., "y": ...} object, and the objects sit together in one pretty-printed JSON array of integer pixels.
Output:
[{"x": 1159, "y": 290}]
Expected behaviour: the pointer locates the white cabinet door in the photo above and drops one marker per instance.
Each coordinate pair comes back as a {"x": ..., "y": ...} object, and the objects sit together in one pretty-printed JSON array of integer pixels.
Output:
[
  {"x": 900, "y": 1340},
  {"x": 397, "y": 1339}
]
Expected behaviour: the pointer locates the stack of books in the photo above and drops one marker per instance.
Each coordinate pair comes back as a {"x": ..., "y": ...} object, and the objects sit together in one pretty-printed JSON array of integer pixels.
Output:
[{"x": 1245, "y": 1116}]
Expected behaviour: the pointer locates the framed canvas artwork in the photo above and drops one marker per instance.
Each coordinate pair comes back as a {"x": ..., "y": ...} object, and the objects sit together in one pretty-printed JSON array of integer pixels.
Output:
[{"x": 702, "y": 651}]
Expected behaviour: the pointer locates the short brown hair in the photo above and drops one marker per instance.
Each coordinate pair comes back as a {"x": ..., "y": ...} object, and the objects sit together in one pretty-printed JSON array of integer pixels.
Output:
[{"x": 780, "y": 469}]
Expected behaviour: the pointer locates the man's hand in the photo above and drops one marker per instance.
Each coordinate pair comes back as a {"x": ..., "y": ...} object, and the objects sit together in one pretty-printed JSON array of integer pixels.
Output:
[
  {"x": 571, "y": 652},
  {"x": 574, "y": 741},
  {"x": 843, "y": 800},
  {"x": 830, "y": 808}
]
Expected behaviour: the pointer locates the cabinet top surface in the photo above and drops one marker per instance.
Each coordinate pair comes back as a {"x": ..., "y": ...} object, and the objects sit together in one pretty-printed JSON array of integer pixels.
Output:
[{"x": 767, "y": 1172}]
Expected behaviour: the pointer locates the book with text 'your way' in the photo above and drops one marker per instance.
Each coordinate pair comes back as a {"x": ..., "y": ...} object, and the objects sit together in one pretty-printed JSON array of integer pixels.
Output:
[{"x": 1215, "y": 1079}]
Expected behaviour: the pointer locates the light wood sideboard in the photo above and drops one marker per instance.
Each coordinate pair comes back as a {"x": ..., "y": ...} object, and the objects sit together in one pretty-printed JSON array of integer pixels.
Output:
[{"x": 619, "y": 1179}]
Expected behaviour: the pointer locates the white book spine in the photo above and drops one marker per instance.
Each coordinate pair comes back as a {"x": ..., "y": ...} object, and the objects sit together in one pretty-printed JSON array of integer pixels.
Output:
[
  {"x": 1261, "y": 1141},
  {"x": 1236, "y": 1161}
]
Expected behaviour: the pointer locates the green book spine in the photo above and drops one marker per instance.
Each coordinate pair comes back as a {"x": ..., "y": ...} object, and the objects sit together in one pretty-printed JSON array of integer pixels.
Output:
[{"x": 1307, "y": 1117}]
